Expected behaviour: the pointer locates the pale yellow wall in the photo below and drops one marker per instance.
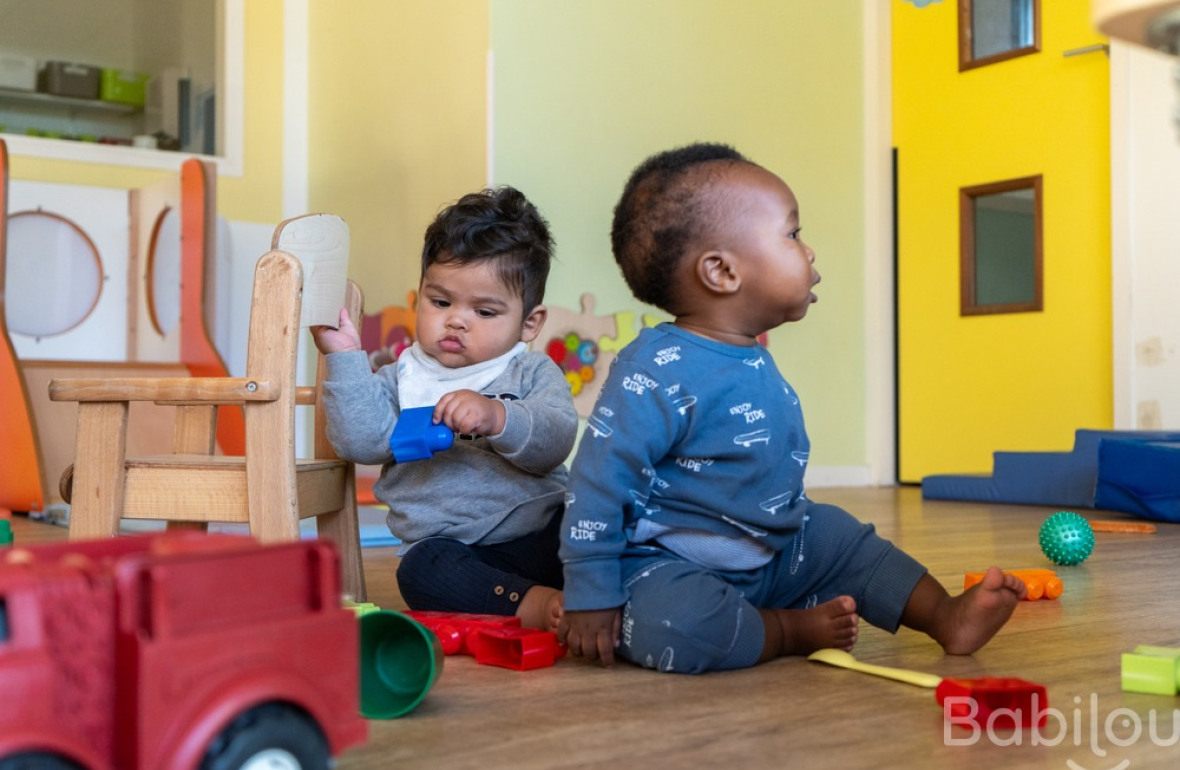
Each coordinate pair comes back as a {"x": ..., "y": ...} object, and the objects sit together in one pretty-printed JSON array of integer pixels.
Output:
[
  {"x": 973, "y": 385},
  {"x": 396, "y": 130},
  {"x": 255, "y": 196},
  {"x": 585, "y": 90}
]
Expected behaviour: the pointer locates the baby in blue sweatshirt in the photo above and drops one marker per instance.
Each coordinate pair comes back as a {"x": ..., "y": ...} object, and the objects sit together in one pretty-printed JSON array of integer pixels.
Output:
[{"x": 688, "y": 541}]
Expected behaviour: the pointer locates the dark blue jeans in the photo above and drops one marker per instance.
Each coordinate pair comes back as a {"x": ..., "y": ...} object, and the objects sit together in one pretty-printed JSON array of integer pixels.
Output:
[
  {"x": 448, "y": 576},
  {"x": 687, "y": 618}
]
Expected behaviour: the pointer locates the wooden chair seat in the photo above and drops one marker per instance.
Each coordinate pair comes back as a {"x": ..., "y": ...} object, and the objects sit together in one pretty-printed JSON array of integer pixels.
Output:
[{"x": 193, "y": 487}]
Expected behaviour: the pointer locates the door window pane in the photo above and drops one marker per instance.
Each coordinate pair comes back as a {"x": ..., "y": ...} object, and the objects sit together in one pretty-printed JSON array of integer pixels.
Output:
[
  {"x": 995, "y": 30},
  {"x": 1001, "y": 247}
]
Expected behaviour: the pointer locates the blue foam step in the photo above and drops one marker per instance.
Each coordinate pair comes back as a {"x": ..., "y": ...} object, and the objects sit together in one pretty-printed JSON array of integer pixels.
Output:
[
  {"x": 1064, "y": 479},
  {"x": 1139, "y": 477}
]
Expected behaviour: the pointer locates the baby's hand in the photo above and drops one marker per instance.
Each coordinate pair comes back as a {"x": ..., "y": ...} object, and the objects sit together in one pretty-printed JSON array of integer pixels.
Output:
[
  {"x": 344, "y": 337},
  {"x": 591, "y": 634},
  {"x": 465, "y": 411}
]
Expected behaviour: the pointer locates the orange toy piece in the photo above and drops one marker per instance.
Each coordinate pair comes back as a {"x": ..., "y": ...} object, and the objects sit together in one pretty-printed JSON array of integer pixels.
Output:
[
  {"x": 1137, "y": 527},
  {"x": 1041, "y": 583}
]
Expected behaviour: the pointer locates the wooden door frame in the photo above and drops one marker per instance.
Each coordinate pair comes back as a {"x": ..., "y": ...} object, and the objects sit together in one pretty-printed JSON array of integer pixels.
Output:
[{"x": 881, "y": 451}]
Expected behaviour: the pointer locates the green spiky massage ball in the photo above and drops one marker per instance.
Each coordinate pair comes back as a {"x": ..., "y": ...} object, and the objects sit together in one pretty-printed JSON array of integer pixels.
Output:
[{"x": 1066, "y": 538}]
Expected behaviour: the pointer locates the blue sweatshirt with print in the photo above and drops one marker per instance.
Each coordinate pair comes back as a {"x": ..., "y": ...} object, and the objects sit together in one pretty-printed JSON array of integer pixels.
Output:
[{"x": 692, "y": 441}]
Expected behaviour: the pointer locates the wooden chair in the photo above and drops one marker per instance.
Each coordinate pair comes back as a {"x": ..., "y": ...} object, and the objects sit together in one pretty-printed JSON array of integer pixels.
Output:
[{"x": 268, "y": 488}]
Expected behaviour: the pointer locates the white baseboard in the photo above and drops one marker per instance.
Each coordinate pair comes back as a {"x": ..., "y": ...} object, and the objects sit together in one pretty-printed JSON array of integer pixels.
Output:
[{"x": 837, "y": 476}]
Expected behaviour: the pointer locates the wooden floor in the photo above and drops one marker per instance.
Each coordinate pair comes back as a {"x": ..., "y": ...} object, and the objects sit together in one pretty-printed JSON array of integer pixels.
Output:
[{"x": 794, "y": 713}]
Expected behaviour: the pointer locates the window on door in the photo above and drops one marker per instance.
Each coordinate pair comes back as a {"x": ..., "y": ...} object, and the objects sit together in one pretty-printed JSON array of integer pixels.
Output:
[
  {"x": 991, "y": 31},
  {"x": 1000, "y": 247}
]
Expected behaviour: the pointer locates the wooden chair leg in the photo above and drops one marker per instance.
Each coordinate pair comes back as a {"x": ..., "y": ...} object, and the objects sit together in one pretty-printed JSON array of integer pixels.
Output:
[
  {"x": 195, "y": 432},
  {"x": 99, "y": 470},
  {"x": 343, "y": 529}
]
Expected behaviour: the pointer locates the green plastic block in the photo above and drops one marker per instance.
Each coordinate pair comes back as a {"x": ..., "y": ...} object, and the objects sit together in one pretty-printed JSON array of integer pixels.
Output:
[
  {"x": 360, "y": 608},
  {"x": 1151, "y": 670},
  {"x": 5, "y": 533}
]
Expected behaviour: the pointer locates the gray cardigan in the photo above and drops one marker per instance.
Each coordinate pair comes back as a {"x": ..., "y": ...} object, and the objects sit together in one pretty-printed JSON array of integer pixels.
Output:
[{"x": 486, "y": 489}]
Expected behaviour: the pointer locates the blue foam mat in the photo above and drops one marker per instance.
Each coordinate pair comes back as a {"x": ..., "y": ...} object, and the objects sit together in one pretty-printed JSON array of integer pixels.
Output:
[
  {"x": 374, "y": 533},
  {"x": 1065, "y": 479}
]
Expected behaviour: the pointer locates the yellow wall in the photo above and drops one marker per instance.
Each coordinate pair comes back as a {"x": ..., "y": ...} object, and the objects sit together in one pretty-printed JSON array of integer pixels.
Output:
[
  {"x": 973, "y": 385},
  {"x": 585, "y": 90},
  {"x": 256, "y": 195},
  {"x": 398, "y": 103}
]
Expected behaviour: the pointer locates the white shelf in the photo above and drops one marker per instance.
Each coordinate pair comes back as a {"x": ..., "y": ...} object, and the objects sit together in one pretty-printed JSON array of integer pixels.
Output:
[{"x": 66, "y": 103}]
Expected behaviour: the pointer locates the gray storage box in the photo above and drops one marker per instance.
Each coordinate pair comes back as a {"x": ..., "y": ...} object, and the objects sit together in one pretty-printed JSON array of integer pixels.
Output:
[{"x": 62, "y": 78}]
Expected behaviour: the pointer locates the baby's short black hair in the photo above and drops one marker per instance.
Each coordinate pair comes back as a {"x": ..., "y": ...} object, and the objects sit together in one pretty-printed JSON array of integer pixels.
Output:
[
  {"x": 499, "y": 224},
  {"x": 663, "y": 210}
]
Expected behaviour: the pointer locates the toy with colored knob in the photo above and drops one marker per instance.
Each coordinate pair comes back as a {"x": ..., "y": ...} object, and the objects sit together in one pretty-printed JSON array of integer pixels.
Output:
[{"x": 1066, "y": 538}]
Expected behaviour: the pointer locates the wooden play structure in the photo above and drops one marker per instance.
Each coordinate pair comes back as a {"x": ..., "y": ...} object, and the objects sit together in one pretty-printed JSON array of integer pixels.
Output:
[
  {"x": 39, "y": 432},
  {"x": 268, "y": 488}
]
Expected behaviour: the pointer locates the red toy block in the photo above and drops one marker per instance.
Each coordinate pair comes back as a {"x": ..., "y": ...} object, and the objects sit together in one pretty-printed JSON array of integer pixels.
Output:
[
  {"x": 520, "y": 649},
  {"x": 454, "y": 629},
  {"x": 493, "y": 640},
  {"x": 1002, "y": 702}
]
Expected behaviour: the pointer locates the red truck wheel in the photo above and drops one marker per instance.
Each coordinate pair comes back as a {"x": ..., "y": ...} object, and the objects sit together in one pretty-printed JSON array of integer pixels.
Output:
[{"x": 269, "y": 737}]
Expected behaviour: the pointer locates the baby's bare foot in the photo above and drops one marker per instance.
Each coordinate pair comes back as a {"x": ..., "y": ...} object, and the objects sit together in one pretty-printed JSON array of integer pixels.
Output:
[
  {"x": 973, "y": 617},
  {"x": 541, "y": 608},
  {"x": 800, "y": 632}
]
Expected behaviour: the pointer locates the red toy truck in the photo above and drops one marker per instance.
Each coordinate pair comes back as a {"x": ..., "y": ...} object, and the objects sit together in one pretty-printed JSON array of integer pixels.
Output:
[{"x": 173, "y": 652}]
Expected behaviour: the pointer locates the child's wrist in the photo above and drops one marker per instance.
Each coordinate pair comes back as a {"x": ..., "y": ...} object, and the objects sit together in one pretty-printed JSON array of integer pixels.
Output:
[{"x": 499, "y": 417}]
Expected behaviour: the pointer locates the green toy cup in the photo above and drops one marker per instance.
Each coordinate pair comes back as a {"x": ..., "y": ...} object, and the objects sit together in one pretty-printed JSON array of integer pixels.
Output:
[{"x": 400, "y": 661}]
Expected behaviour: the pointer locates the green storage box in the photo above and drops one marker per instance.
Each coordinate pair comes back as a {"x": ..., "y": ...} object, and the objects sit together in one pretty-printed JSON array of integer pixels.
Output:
[{"x": 123, "y": 87}]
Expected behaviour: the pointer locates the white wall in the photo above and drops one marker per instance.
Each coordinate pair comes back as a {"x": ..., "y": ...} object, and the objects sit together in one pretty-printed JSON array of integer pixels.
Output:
[
  {"x": 1145, "y": 203},
  {"x": 80, "y": 31}
]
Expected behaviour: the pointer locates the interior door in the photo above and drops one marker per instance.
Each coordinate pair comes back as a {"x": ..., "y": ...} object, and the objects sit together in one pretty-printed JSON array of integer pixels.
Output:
[{"x": 971, "y": 384}]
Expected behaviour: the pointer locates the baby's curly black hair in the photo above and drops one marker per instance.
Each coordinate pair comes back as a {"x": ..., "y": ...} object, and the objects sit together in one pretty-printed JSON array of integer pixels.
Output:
[
  {"x": 500, "y": 224},
  {"x": 664, "y": 208}
]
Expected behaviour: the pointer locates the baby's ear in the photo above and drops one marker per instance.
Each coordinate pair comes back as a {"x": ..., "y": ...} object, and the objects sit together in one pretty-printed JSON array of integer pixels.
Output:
[
  {"x": 717, "y": 272},
  {"x": 533, "y": 322}
]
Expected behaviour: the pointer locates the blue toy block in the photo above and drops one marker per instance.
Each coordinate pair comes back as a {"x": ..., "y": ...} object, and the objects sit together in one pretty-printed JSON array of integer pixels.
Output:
[{"x": 417, "y": 437}]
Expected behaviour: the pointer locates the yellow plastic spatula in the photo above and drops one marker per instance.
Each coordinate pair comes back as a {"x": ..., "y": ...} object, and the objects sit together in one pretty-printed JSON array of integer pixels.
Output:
[
  {"x": 843, "y": 659},
  {"x": 1005, "y": 701}
]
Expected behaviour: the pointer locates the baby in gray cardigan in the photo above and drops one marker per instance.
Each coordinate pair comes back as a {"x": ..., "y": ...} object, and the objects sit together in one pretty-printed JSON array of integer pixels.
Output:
[{"x": 479, "y": 522}]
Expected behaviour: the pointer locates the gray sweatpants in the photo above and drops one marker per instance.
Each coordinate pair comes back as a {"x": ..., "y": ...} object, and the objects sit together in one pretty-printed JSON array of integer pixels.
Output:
[{"x": 687, "y": 618}]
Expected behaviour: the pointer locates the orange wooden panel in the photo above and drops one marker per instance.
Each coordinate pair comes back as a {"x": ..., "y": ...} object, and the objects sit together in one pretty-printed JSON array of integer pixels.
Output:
[
  {"x": 20, "y": 473},
  {"x": 197, "y": 353}
]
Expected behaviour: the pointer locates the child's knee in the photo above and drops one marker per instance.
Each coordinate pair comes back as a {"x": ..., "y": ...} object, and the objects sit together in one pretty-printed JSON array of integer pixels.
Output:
[
  {"x": 419, "y": 568},
  {"x": 415, "y": 562},
  {"x": 716, "y": 629},
  {"x": 411, "y": 576}
]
